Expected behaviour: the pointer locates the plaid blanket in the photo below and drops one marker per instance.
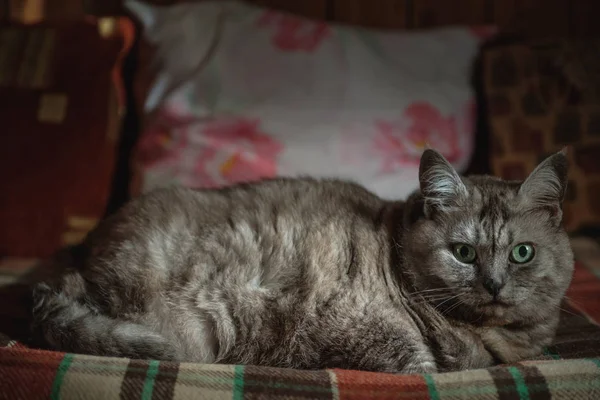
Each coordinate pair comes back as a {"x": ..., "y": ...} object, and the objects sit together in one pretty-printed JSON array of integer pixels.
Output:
[{"x": 570, "y": 368}]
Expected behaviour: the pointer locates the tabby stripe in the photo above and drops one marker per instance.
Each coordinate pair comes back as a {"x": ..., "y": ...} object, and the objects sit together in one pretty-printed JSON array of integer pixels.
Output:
[
  {"x": 134, "y": 379},
  {"x": 60, "y": 375},
  {"x": 166, "y": 380},
  {"x": 535, "y": 381},
  {"x": 505, "y": 384}
]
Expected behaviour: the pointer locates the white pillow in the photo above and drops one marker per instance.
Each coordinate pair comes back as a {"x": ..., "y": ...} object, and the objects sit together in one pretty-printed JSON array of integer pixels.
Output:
[{"x": 244, "y": 93}]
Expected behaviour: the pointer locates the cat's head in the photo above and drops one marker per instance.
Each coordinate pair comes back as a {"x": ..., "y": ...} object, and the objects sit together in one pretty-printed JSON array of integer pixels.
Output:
[{"x": 489, "y": 250}]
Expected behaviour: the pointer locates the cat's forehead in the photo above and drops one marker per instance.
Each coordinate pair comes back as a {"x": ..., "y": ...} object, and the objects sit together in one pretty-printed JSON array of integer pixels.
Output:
[
  {"x": 491, "y": 195},
  {"x": 487, "y": 216}
]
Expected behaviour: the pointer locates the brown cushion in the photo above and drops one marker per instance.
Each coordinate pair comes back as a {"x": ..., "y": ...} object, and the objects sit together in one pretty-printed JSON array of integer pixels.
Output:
[
  {"x": 540, "y": 99},
  {"x": 60, "y": 110}
]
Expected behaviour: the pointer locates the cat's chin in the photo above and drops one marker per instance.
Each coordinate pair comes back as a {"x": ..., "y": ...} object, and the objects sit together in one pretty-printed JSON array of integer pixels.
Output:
[
  {"x": 496, "y": 309},
  {"x": 497, "y": 303}
]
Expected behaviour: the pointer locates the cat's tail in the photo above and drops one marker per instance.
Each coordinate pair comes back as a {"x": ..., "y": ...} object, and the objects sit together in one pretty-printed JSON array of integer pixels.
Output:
[{"x": 64, "y": 321}]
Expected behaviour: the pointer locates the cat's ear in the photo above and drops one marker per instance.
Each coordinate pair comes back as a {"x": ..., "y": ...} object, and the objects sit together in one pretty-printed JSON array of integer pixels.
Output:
[
  {"x": 547, "y": 184},
  {"x": 441, "y": 185}
]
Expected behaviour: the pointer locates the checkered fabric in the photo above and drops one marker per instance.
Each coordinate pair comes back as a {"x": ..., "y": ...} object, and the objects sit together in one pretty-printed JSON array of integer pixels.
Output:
[{"x": 570, "y": 368}]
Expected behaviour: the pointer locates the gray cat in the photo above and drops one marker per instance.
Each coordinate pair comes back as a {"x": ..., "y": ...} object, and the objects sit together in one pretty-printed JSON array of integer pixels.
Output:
[{"x": 308, "y": 274}]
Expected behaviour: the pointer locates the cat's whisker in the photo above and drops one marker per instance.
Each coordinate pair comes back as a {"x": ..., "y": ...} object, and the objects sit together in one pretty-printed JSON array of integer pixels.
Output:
[
  {"x": 590, "y": 336},
  {"x": 447, "y": 300},
  {"x": 434, "y": 297},
  {"x": 569, "y": 312},
  {"x": 429, "y": 301},
  {"x": 574, "y": 302},
  {"x": 397, "y": 247},
  {"x": 454, "y": 306},
  {"x": 480, "y": 314},
  {"x": 435, "y": 290},
  {"x": 430, "y": 297}
]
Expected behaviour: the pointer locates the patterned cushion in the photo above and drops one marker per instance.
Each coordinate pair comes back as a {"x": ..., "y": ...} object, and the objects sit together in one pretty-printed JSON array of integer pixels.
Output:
[
  {"x": 41, "y": 375},
  {"x": 542, "y": 97},
  {"x": 60, "y": 107}
]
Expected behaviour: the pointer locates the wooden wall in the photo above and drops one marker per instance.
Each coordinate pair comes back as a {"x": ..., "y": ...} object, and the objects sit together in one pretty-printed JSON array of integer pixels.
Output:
[
  {"x": 532, "y": 18},
  {"x": 527, "y": 17}
]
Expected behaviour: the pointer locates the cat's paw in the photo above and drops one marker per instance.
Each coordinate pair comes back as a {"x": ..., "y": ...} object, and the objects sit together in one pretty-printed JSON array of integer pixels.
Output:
[
  {"x": 423, "y": 367},
  {"x": 512, "y": 346},
  {"x": 138, "y": 342},
  {"x": 421, "y": 362}
]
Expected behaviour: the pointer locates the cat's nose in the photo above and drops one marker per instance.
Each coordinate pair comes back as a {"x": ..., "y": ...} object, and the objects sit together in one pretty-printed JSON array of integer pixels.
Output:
[{"x": 493, "y": 286}]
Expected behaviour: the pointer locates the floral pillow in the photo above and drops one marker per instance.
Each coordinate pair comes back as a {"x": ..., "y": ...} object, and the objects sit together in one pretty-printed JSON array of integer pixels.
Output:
[{"x": 243, "y": 93}]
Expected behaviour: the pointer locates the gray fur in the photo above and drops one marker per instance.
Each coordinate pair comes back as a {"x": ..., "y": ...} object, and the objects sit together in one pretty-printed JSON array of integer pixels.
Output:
[{"x": 312, "y": 274}]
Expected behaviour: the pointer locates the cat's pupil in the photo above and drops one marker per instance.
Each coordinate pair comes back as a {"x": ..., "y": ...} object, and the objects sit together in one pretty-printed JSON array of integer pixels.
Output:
[
  {"x": 464, "y": 251},
  {"x": 523, "y": 251}
]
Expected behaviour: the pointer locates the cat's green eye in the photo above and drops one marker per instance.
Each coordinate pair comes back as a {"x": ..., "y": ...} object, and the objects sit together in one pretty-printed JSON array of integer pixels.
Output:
[
  {"x": 464, "y": 253},
  {"x": 522, "y": 253}
]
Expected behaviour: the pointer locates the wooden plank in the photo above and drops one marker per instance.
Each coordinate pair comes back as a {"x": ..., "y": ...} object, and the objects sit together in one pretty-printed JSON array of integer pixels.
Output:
[
  {"x": 431, "y": 13},
  {"x": 4, "y": 10},
  {"x": 386, "y": 14},
  {"x": 64, "y": 10},
  {"x": 533, "y": 18},
  {"x": 306, "y": 8},
  {"x": 585, "y": 18},
  {"x": 27, "y": 11},
  {"x": 104, "y": 7}
]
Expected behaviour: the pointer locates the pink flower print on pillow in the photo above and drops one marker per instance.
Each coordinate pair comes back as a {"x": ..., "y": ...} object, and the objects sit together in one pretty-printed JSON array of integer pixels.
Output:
[
  {"x": 293, "y": 33},
  {"x": 235, "y": 151},
  {"x": 163, "y": 142},
  {"x": 400, "y": 142}
]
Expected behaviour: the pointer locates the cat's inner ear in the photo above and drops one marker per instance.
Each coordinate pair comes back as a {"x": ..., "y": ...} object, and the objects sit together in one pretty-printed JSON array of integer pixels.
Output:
[
  {"x": 546, "y": 185},
  {"x": 441, "y": 186}
]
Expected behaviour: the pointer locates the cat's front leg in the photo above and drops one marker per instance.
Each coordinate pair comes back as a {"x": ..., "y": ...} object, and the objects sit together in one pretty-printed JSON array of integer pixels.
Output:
[
  {"x": 510, "y": 344},
  {"x": 416, "y": 360},
  {"x": 509, "y": 347},
  {"x": 460, "y": 348},
  {"x": 420, "y": 362},
  {"x": 455, "y": 346}
]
